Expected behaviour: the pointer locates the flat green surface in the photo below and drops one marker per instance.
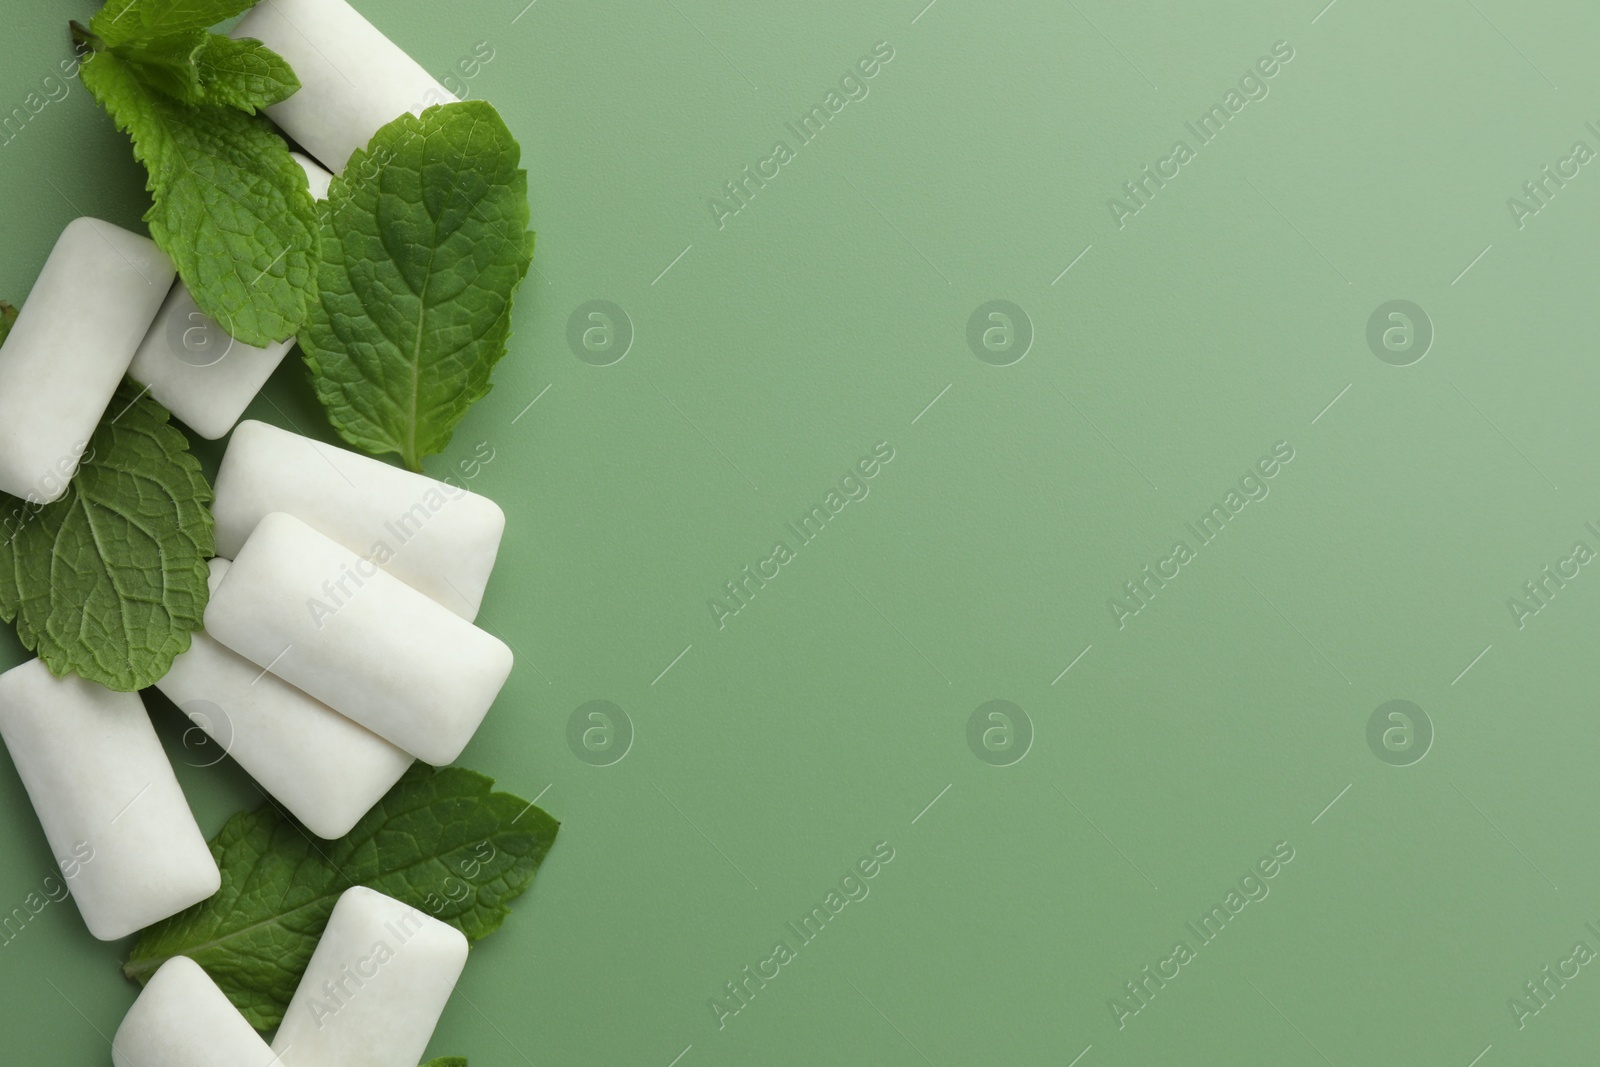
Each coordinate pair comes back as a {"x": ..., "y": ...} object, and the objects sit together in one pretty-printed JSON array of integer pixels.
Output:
[{"x": 831, "y": 712}]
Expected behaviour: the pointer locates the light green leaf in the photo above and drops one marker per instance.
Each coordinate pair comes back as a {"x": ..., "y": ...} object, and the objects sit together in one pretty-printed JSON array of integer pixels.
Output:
[
  {"x": 424, "y": 242},
  {"x": 121, "y": 21},
  {"x": 8, "y": 318},
  {"x": 244, "y": 74},
  {"x": 232, "y": 208},
  {"x": 110, "y": 580},
  {"x": 440, "y": 841},
  {"x": 168, "y": 63}
]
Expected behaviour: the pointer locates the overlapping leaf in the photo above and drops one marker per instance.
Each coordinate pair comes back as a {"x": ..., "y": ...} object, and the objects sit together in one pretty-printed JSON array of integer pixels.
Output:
[
  {"x": 424, "y": 242},
  {"x": 243, "y": 74},
  {"x": 109, "y": 581},
  {"x": 232, "y": 207},
  {"x": 441, "y": 841},
  {"x": 121, "y": 22}
]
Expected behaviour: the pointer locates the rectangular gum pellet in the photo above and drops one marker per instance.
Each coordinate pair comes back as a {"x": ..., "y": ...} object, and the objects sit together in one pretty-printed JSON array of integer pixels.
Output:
[
  {"x": 69, "y": 348},
  {"x": 106, "y": 796},
  {"x": 194, "y": 368},
  {"x": 437, "y": 538},
  {"x": 375, "y": 987},
  {"x": 325, "y": 769},
  {"x": 182, "y": 1019},
  {"x": 353, "y": 79},
  {"x": 358, "y": 639}
]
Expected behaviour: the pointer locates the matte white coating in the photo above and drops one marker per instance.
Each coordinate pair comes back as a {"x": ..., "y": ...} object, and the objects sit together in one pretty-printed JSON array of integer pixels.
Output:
[
  {"x": 353, "y": 79},
  {"x": 183, "y": 1020},
  {"x": 327, "y": 770},
  {"x": 375, "y": 987},
  {"x": 434, "y": 536},
  {"x": 69, "y": 349},
  {"x": 106, "y": 796},
  {"x": 357, "y": 638}
]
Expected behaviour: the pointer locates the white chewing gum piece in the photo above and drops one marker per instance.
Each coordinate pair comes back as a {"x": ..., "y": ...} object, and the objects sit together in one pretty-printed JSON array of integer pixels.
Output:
[
  {"x": 107, "y": 799},
  {"x": 70, "y": 347},
  {"x": 327, "y": 770},
  {"x": 353, "y": 79},
  {"x": 375, "y": 987},
  {"x": 183, "y": 1020},
  {"x": 358, "y": 639},
  {"x": 191, "y": 364},
  {"x": 435, "y": 537}
]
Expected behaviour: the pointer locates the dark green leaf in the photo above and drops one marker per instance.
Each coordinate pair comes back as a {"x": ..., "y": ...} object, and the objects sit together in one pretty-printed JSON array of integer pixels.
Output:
[
  {"x": 109, "y": 581},
  {"x": 424, "y": 241},
  {"x": 440, "y": 841}
]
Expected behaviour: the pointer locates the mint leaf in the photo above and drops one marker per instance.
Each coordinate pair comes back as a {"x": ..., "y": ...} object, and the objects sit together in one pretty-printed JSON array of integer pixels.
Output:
[
  {"x": 243, "y": 74},
  {"x": 196, "y": 67},
  {"x": 166, "y": 44},
  {"x": 424, "y": 242},
  {"x": 447, "y": 1061},
  {"x": 122, "y": 21},
  {"x": 110, "y": 580},
  {"x": 440, "y": 841},
  {"x": 232, "y": 208},
  {"x": 8, "y": 318},
  {"x": 168, "y": 63}
]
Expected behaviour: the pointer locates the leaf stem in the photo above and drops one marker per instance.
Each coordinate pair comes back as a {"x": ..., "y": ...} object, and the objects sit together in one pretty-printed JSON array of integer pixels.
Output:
[{"x": 83, "y": 37}]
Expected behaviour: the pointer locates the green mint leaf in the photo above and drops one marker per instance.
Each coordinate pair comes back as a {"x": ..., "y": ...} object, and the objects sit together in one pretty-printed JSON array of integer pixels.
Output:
[
  {"x": 168, "y": 63},
  {"x": 232, "y": 207},
  {"x": 8, "y": 318},
  {"x": 424, "y": 242},
  {"x": 109, "y": 581},
  {"x": 447, "y": 1061},
  {"x": 122, "y": 21},
  {"x": 441, "y": 841},
  {"x": 244, "y": 74}
]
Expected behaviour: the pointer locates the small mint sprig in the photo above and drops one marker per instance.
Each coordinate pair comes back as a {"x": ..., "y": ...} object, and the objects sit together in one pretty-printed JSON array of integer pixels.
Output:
[{"x": 231, "y": 207}]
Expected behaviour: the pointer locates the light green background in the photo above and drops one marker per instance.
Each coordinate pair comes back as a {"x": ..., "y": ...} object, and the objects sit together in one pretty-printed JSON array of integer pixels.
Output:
[{"x": 828, "y": 714}]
